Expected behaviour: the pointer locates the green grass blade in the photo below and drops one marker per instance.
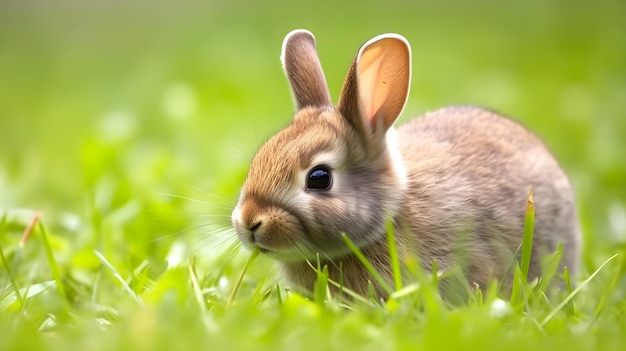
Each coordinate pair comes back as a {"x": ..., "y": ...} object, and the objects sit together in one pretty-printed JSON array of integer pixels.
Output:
[
  {"x": 576, "y": 291},
  {"x": 517, "y": 287},
  {"x": 368, "y": 266},
  {"x": 197, "y": 290},
  {"x": 343, "y": 289},
  {"x": 54, "y": 268},
  {"x": 604, "y": 297},
  {"x": 321, "y": 284},
  {"x": 393, "y": 254},
  {"x": 527, "y": 241},
  {"x": 279, "y": 298},
  {"x": 406, "y": 291},
  {"x": 551, "y": 269},
  {"x": 198, "y": 295},
  {"x": 118, "y": 276},
  {"x": 261, "y": 294},
  {"x": 96, "y": 286},
  {"x": 242, "y": 274},
  {"x": 5, "y": 263},
  {"x": 510, "y": 270},
  {"x": 341, "y": 280},
  {"x": 478, "y": 297},
  {"x": 568, "y": 287}
]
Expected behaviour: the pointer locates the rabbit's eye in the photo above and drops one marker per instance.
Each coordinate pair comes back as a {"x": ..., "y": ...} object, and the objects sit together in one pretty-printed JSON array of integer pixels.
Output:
[{"x": 319, "y": 178}]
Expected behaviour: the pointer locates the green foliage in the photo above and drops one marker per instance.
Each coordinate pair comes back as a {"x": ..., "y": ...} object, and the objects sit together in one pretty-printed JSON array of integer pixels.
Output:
[{"x": 126, "y": 129}]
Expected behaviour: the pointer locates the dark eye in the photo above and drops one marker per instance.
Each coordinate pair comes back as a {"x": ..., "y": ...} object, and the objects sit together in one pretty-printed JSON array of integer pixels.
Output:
[{"x": 319, "y": 178}]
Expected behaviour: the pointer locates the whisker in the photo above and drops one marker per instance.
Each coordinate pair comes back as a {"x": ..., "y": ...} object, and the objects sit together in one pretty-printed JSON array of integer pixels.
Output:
[
  {"x": 182, "y": 231},
  {"x": 208, "y": 215},
  {"x": 179, "y": 214},
  {"x": 226, "y": 208},
  {"x": 233, "y": 248},
  {"x": 202, "y": 191},
  {"x": 185, "y": 198},
  {"x": 241, "y": 155},
  {"x": 212, "y": 242}
]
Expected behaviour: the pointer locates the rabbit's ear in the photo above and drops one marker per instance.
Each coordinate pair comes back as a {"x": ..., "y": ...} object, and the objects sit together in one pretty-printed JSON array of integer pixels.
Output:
[
  {"x": 377, "y": 85},
  {"x": 304, "y": 71}
]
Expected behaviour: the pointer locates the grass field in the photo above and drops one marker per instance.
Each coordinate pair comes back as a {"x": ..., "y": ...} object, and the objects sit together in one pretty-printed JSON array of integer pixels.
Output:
[{"x": 126, "y": 128}]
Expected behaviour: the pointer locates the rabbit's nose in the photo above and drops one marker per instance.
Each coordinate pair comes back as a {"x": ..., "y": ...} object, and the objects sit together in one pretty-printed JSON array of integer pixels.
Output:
[
  {"x": 253, "y": 230},
  {"x": 253, "y": 226}
]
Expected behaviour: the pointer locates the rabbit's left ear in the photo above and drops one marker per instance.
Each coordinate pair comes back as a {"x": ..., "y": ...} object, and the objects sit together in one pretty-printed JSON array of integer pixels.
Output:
[
  {"x": 377, "y": 85},
  {"x": 304, "y": 71}
]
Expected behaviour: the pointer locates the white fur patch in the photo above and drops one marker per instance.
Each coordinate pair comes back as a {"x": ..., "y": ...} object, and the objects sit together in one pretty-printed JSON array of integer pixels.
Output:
[
  {"x": 236, "y": 216},
  {"x": 396, "y": 158}
]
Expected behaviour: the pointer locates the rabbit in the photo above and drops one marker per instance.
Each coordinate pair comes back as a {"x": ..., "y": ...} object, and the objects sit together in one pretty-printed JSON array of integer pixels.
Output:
[{"x": 454, "y": 182}]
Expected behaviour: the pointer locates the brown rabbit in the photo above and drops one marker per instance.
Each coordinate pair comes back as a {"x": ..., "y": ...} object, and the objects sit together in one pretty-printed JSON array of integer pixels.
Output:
[{"x": 454, "y": 181}]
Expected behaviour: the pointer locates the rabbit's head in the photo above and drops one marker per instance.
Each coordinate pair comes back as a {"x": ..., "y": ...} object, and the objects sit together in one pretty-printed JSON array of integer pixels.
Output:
[{"x": 334, "y": 169}]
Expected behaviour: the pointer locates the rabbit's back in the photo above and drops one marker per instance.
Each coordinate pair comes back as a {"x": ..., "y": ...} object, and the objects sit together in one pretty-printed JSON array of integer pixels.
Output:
[{"x": 469, "y": 173}]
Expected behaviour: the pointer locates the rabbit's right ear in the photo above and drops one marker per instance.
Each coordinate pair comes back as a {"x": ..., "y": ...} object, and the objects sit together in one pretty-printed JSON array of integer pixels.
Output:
[
  {"x": 304, "y": 71},
  {"x": 377, "y": 86}
]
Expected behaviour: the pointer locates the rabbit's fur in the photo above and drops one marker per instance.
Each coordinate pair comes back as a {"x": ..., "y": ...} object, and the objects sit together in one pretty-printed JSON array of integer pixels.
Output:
[{"x": 454, "y": 181}]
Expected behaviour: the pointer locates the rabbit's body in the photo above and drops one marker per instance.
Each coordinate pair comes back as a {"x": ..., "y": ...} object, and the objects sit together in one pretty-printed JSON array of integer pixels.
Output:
[
  {"x": 454, "y": 181},
  {"x": 470, "y": 170}
]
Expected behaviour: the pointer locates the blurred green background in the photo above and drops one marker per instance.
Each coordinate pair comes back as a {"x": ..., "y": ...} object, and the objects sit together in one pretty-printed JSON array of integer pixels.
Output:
[{"x": 112, "y": 113}]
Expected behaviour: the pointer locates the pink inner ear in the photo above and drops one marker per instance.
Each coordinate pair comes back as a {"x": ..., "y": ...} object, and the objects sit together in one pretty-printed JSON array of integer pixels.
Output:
[
  {"x": 370, "y": 77},
  {"x": 383, "y": 79}
]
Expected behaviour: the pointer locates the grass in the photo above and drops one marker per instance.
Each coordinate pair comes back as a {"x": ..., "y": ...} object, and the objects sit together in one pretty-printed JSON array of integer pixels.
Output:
[{"x": 126, "y": 130}]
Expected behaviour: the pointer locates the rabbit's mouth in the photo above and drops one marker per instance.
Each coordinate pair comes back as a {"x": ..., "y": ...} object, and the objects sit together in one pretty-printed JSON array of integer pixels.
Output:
[
  {"x": 264, "y": 250},
  {"x": 284, "y": 254}
]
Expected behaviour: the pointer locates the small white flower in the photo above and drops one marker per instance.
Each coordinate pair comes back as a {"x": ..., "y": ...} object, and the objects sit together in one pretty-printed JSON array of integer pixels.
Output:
[{"x": 500, "y": 308}]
